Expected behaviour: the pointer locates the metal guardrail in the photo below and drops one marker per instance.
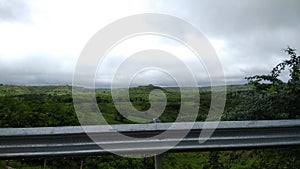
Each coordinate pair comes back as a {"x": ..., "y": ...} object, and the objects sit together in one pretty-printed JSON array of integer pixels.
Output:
[{"x": 73, "y": 141}]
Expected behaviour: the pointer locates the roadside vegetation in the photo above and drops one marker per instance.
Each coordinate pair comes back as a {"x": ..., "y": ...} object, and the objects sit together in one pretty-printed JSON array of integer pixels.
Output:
[{"x": 265, "y": 97}]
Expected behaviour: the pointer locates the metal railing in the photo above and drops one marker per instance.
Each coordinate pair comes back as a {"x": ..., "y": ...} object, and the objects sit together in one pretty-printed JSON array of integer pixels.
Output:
[{"x": 73, "y": 141}]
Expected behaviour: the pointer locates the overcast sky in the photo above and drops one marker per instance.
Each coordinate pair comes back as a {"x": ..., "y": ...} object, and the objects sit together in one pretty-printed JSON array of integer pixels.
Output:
[{"x": 40, "y": 41}]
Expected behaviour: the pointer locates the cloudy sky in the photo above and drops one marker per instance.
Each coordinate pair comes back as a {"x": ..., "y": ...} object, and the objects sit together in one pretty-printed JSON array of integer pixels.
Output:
[{"x": 41, "y": 40}]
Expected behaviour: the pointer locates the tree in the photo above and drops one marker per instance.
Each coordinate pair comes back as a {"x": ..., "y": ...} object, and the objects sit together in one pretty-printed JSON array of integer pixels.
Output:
[
  {"x": 272, "y": 98},
  {"x": 275, "y": 84}
]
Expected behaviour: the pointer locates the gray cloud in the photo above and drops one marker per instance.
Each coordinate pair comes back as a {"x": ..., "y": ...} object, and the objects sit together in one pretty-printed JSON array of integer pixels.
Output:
[
  {"x": 36, "y": 70},
  {"x": 254, "y": 31},
  {"x": 232, "y": 16},
  {"x": 14, "y": 10}
]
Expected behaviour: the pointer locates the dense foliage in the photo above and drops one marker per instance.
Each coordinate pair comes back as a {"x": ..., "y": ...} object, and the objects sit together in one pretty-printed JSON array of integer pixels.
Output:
[{"x": 272, "y": 98}]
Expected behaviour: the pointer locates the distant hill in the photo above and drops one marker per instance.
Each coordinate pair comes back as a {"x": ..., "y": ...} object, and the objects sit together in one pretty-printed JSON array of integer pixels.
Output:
[
  {"x": 229, "y": 88},
  {"x": 21, "y": 90},
  {"x": 67, "y": 90},
  {"x": 145, "y": 89}
]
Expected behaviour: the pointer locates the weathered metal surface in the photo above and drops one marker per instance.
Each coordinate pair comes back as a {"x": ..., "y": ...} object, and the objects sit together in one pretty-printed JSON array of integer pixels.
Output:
[{"x": 73, "y": 141}]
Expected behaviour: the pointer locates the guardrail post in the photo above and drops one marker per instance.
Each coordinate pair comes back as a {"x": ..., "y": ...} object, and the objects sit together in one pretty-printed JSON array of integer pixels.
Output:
[
  {"x": 158, "y": 158},
  {"x": 158, "y": 161},
  {"x": 45, "y": 163},
  {"x": 81, "y": 164}
]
